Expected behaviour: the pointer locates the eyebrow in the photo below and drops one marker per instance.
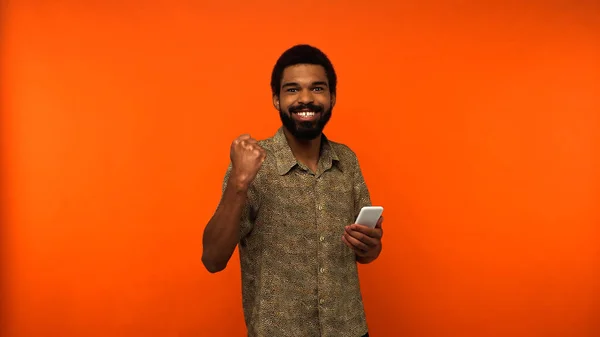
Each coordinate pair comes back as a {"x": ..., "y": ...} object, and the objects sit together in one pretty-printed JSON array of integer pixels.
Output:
[{"x": 294, "y": 84}]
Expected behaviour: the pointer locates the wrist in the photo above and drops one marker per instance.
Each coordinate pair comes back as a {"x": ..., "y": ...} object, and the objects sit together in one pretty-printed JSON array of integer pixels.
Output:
[{"x": 238, "y": 183}]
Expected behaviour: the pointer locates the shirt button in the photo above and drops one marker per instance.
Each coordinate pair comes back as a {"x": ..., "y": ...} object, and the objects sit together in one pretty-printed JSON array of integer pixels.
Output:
[
  {"x": 320, "y": 207},
  {"x": 322, "y": 270},
  {"x": 321, "y": 238},
  {"x": 321, "y": 301}
]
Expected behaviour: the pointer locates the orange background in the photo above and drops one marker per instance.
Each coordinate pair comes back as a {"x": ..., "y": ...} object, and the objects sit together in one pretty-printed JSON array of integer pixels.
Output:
[{"x": 477, "y": 127}]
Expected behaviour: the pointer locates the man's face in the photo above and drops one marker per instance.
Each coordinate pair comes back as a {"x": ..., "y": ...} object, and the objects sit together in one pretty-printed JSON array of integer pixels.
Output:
[{"x": 305, "y": 102}]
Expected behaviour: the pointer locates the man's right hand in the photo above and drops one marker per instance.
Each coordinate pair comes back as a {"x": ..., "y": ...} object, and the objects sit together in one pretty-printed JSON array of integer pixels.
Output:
[{"x": 246, "y": 159}]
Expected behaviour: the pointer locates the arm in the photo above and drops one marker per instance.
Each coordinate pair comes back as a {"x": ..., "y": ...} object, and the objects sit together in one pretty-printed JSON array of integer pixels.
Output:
[
  {"x": 362, "y": 198},
  {"x": 222, "y": 232},
  {"x": 232, "y": 217}
]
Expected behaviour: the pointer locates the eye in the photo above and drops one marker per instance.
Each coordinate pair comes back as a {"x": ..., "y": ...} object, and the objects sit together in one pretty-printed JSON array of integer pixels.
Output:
[
  {"x": 318, "y": 89},
  {"x": 292, "y": 90}
]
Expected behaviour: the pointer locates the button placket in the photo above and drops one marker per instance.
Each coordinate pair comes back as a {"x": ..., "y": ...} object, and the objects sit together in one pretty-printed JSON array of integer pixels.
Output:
[{"x": 320, "y": 229}]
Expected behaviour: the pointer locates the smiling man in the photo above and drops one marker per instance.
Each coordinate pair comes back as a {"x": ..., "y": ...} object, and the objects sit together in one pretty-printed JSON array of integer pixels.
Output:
[{"x": 289, "y": 202}]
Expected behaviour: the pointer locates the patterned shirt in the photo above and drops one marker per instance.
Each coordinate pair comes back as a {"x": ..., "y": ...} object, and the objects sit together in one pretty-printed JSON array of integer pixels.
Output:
[{"x": 298, "y": 276}]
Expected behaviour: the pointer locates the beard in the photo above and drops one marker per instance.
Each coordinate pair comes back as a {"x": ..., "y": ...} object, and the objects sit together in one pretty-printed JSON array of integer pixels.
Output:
[{"x": 305, "y": 130}]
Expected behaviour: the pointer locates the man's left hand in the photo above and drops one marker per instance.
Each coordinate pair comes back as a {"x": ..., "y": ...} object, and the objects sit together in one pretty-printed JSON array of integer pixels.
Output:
[{"x": 365, "y": 241}]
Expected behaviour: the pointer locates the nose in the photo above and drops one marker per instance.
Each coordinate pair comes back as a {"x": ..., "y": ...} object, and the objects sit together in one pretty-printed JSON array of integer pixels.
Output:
[{"x": 305, "y": 97}]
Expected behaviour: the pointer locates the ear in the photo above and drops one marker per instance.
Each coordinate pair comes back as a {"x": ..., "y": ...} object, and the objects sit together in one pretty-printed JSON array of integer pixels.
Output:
[
  {"x": 276, "y": 102},
  {"x": 332, "y": 100}
]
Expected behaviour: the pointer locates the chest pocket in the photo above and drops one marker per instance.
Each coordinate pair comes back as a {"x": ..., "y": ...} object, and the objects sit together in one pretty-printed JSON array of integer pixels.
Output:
[
  {"x": 290, "y": 199},
  {"x": 288, "y": 216},
  {"x": 336, "y": 198}
]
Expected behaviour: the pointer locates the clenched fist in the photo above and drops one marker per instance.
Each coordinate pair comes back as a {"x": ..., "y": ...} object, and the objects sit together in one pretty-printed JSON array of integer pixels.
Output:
[{"x": 246, "y": 159}]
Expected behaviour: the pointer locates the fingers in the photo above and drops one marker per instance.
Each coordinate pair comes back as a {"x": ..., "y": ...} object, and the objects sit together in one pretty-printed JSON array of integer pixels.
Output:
[
  {"x": 252, "y": 145},
  {"x": 249, "y": 143},
  {"x": 379, "y": 222},
  {"x": 243, "y": 139},
  {"x": 375, "y": 233},
  {"x": 260, "y": 152},
  {"x": 240, "y": 140},
  {"x": 379, "y": 226},
  {"x": 355, "y": 243},
  {"x": 362, "y": 240},
  {"x": 357, "y": 251}
]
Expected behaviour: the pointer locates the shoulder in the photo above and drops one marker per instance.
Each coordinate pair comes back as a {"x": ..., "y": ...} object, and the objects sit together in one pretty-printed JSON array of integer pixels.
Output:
[
  {"x": 343, "y": 151},
  {"x": 347, "y": 158},
  {"x": 266, "y": 143},
  {"x": 268, "y": 169}
]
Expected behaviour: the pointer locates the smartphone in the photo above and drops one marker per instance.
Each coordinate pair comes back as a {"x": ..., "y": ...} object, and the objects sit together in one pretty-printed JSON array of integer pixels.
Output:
[{"x": 369, "y": 215}]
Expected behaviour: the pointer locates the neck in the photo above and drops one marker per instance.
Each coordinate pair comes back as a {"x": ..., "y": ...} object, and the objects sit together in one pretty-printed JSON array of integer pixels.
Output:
[{"x": 305, "y": 151}]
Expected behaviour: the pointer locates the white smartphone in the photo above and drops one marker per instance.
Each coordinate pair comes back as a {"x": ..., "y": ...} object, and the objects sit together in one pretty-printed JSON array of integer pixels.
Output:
[{"x": 369, "y": 215}]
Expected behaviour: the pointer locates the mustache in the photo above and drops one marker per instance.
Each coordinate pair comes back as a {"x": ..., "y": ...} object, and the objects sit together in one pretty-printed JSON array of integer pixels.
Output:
[{"x": 308, "y": 106}]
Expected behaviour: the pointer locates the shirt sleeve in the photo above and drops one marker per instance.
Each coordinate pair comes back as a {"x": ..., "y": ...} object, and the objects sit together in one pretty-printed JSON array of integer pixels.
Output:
[
  {"x": 248, "y": 212},
  {"x": 362, "y": 197}
]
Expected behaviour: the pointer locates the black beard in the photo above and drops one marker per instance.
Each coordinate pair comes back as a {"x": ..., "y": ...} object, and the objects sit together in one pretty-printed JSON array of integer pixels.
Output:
[{"x": 305, "y": 130}]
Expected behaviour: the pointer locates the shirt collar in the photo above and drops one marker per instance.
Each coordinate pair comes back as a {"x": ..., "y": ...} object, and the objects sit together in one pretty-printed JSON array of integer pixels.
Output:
[{"x": 285, "y": 158}]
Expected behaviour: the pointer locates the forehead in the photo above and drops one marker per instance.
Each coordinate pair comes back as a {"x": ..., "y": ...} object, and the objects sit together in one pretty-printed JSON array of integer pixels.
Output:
[{"x": 304, "y": 74}]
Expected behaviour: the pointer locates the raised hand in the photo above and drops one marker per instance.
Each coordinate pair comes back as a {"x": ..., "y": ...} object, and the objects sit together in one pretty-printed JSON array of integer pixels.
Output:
[{"x": 246, "y": 159}]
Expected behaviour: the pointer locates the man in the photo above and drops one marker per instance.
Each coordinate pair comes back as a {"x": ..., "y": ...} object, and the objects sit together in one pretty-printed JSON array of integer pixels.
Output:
[{"x": 289, "y": 202}]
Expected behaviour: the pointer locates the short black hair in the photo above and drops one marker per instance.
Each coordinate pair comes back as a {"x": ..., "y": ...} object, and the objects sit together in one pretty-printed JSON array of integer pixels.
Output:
[{"x": 302, "y": 54}]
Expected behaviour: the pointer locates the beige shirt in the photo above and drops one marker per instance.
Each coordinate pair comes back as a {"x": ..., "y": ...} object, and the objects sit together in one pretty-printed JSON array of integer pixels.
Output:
[{"x": 298, "y": 277}]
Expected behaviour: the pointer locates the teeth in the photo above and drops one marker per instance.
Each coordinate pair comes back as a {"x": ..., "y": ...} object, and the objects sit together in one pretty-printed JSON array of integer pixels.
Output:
[{"x": 306, "y": 113}]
